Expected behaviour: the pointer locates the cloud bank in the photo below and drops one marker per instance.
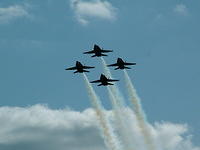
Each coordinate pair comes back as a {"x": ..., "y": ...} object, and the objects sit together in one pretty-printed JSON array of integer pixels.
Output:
[
  {"x": 11, "y": 13},
  {"x": 85, "y": 10},
  {"x": 40, "y": 128}
]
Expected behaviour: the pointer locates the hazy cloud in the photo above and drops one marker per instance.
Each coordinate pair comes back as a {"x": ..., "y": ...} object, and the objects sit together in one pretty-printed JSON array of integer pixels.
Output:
[
  {"x": 12, "y": 12},
  {"x": 86, "y": 10},
  {"x": 41, "y": 128},
  {"x": 181, "y": 9}
]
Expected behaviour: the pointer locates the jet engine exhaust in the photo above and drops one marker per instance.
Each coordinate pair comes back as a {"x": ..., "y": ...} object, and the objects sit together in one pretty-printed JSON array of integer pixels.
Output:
[
  {"x": 140, "y": 115},
  {"x": 118, "y": 96},
  {"x": 122, "y": 123},
  {"x": 118, "y": 106},
  {"x": 110, "y": 139}
]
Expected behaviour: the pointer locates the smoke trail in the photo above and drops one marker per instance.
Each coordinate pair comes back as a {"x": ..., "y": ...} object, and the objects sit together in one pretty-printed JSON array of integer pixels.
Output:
[
  {"x": 122, "y": 122},
  {"x": 140, "y": 115},
  {"x": 118, "y": 105},
  {"x": 118, "y": 96},
  {"x": 109, "y": 137}
]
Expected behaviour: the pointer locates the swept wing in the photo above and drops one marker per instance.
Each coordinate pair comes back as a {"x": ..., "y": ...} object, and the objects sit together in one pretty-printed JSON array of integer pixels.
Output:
[
  {"x": 89, "y": 52},
  {"x": 96, "y": 81},
  {"x": 87, "y": 67},
  {"x": 106, "y": 51},
  {"x": 112, "y": 65},
  {"x": 111, "y": 80},
  {"x": 72, "y": 68},
  {"x": 129, "y": 63}
]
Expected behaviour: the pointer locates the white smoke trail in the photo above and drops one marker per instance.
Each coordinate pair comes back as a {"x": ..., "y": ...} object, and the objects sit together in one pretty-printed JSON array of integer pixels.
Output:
[
  {"x": 140, "y": 115},
  {"x": 118, "y": 105},
  {"x": 122, "y": 123},
  {"x": 115, "y": 90},
  {"x": 110, "y": 139}
]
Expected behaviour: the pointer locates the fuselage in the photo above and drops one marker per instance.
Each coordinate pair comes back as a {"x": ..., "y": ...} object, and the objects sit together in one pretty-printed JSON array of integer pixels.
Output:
[
  {"x": 120, "y": 63},
  {"x": 97, "y": 51},
  {"x": 79, "y": 67},
  {"x": 103, "y": 80}
]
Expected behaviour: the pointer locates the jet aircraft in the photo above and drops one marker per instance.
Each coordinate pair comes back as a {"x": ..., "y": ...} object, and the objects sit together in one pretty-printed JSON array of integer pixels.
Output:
[
  {"x": 121, "y": 64},
  {"x": 104, "y": 81},
  {"x": 79, "y": 68},
  {"x": 97, "y": 51}
]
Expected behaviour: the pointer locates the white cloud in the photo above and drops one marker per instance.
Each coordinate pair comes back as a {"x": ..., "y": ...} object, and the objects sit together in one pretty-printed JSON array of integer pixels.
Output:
[
  {"x": 87, "y": 10},
  {"x": 12, "y": 12},
  {"x": 181, "y": 9},
  {"x": 40, "y": 128}
]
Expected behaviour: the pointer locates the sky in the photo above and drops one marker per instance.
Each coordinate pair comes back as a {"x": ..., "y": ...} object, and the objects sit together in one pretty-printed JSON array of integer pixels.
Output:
[{"x": 39, "y": 39}]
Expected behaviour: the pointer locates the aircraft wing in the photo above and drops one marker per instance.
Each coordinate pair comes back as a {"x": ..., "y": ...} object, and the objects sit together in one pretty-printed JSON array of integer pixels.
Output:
[
  {"x": 129, "y": 63},
  {"x": 89, "y": 52},
  {"x": 111, "y": 80},
  {"x": 87, "y": 67},
  {"x": 72, "y": 68},
  {"x": 106, "y": 51},
  {"x": 113, "y": 65},
  {"x": 96, "y": 81}
]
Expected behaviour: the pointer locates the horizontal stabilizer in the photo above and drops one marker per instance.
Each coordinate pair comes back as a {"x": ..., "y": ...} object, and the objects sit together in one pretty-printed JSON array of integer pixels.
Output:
[
  {"x": 104, "y": 55},
  {"x": 85, "y": 71},
  {"x": 127, "y": 68},
  {"x": 110, "y": 84}
]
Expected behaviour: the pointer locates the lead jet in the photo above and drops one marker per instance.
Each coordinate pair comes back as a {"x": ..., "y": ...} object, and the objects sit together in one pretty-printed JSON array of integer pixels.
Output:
[
  {"x": 97, "y": 51},
  {"x": 104, "y": 81},
  {"x": 121, "y": 64},
  {"x": 79, "y": 68}
]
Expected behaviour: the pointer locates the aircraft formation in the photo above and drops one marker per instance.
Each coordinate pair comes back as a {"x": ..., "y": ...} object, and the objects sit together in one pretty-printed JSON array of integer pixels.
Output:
[{"x": 98, "y": 52}]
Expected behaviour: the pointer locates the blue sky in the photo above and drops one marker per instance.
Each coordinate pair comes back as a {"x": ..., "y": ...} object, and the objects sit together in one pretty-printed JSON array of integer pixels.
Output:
[{"x": 39, "y": 39}]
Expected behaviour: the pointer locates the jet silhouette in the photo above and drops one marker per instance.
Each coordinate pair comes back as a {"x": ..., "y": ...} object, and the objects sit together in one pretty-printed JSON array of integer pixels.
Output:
[
  {"x": 97, "y": 51},
  {"x": 104, "y": 81},
  {"x": 121, "y": 64},
  {"x": 79, "y": 67}
]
